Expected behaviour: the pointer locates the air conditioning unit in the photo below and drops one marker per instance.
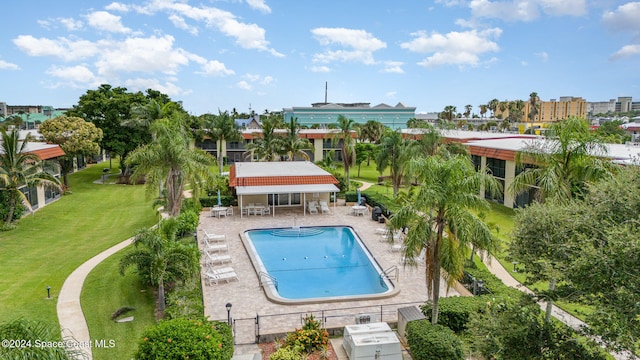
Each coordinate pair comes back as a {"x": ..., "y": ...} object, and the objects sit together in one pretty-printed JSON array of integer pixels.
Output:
[{"x": 365, "y": 318}]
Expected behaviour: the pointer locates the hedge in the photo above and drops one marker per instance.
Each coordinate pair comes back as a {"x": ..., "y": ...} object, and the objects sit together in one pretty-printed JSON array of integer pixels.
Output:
[{"x": 427, "y": 341}]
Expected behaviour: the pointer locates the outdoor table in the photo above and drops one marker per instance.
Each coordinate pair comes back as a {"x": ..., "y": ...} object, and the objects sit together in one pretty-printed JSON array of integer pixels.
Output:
[
  {"x": 215, "y": 211},
  {"x": 358, "y": 210}
]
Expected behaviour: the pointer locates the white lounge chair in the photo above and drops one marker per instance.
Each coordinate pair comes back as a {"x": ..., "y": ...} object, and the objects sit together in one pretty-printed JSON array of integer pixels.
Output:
[
  {"x": 324, "y": 207},
  {"x": 217, "y": 278},
  {"x": 213, "y": 237},
  {"x": 211, "y": 259},
  {"x": 213, "y": 248},
  {"x": 230, "y": 211},
  {"x": 396, "y": 247},
  {"x": 218, "y": 271},
  {"x": 416, "y": 260},
  {"x": 265, "y": 210},
  {"x": 313, "y": 207}
]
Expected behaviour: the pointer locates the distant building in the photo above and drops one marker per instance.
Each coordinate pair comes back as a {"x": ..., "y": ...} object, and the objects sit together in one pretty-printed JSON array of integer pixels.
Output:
[
  {"x": 324, "y": 114},
  {"x": 623, "y": 104}
]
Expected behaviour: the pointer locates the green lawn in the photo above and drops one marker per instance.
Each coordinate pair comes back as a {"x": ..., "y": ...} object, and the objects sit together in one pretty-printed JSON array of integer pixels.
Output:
[
  {"x": 104, "y": 292},
  {"x": 48, "y": 245}
]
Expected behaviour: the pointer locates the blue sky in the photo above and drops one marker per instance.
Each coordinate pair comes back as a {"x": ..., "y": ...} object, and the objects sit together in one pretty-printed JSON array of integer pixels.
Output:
[{"x": 266, "y": 55}]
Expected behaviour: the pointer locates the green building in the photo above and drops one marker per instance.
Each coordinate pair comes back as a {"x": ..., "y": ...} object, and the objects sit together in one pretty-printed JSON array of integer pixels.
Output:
[{"x": 323, "y": 114}]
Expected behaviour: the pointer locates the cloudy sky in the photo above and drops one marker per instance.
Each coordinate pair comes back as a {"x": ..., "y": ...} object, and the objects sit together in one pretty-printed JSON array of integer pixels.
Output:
[{"x": 266, "y": 55}]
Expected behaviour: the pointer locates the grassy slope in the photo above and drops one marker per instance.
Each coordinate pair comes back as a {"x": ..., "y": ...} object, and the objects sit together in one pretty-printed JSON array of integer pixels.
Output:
[
  {"x": 104, "y": 292},
  {"x": 48, "y": 245}
]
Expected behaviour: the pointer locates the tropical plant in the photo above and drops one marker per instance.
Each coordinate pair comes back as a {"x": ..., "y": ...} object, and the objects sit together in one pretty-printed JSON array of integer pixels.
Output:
[
  {"x": 19, "y": 168},
  {"x": 348, "y": 147},
  {"x": 467, "y": 111},
  {"x": 160, "y": 258},
  {"x": 75, "y": 137},
  {"x": 221, "y": 128},
  {"x": 27, "y": 339},
  {"x": 493, "y": 106},
  {"x": 440, "y": 214},
  {"x": 268, "y": 146},
  {"x": 449, "y": 113},
  {"x": 371, "y": 131},
  {"x": 394, "y": 152},
  {"x": 170, "y": 162},
  {"x": 483, "y": 110},
  {"x": 534, "y": 106},
  {"x": 293, "y": 145}
]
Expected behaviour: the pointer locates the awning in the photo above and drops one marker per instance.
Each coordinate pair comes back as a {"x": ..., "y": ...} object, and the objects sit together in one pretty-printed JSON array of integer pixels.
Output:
[{"x": 286, "y": 189}]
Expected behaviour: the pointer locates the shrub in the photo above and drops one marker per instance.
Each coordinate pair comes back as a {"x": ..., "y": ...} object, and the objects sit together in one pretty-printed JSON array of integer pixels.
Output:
[
  {"x": 310, "y": 338},
  {"x": 286, "y": 353},
  {"x": 427, "y": 341},
  {"x": 185, "y": 300},
  {"x": 18, "y": 210},
  {"x": 187, "y": 339},
  {"x": 187, "y": 222}
]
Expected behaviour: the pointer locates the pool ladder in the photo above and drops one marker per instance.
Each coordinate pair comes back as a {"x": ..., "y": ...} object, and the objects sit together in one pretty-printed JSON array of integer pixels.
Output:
[
  {"x": 266, "y": 279},
  {"x": 390, "y": 273}
]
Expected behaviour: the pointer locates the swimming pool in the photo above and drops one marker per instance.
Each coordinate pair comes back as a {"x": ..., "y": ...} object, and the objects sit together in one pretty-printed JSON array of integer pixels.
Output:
[{"x": 315, "y": 264}]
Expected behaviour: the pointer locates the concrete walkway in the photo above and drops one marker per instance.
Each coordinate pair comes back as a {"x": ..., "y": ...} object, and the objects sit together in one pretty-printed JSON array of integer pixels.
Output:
[{"x": 72, "y": 322}]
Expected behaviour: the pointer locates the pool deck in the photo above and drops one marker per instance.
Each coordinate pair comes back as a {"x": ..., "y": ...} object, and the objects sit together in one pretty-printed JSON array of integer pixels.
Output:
[{"x": 248, "y": 298}]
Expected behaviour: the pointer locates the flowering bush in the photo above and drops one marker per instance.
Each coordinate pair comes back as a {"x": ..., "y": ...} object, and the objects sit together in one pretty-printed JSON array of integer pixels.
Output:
[
  {"x": 187, "y": 339},
  {"x": 310, "y": 338}
]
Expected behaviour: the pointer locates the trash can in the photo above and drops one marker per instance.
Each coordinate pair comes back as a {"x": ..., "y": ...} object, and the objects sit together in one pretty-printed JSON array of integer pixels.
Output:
[
  {"x": 375, "y": 213},
  {"x": 363, "y": 201}
]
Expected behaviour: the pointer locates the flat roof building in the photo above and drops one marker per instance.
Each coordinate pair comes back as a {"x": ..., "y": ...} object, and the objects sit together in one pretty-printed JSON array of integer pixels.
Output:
[{"x": 324, "y": 114}]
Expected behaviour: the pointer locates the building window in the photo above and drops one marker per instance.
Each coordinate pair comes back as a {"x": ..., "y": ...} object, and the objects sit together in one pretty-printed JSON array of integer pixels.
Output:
[{"x": 497, "y": 168}]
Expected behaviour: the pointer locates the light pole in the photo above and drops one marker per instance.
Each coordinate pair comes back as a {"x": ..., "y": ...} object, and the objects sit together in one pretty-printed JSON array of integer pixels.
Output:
[
  {"x": 48, "y": 292},
  {"x": 514, "y": 266},
  {"x": 228, "y": 306}
]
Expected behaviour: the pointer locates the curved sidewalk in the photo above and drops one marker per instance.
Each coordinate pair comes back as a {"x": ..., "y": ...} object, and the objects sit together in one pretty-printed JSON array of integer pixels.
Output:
[{"x": 70, "y": 316}]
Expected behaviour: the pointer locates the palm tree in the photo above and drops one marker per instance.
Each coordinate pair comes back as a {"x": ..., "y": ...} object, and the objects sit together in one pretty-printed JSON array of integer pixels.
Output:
[
  {"x": 293, "y": 144},
  {"x": 449, "y": 113},
  {"x": 483, "y": 110},
  {"x": 268, "y": 147},
  {"x": 394, "y": 152},
  {"x": 503, "y": 106},
  {"x": 440, "y": 217},
  {"x": 170, "y": 161},
  {"x": 516, "y": 110},
  {"x": 160, "y": 258},
  {"x": 221, "y": 128},
  {"x": 19, "y": 168},
  {"x": 533, "y": 106},
  {"x": 493, "y": 106},
  {"x": 467, "y": 110},
  {"x": 371, "y": 131},
  {"x": 348, "y": 148}
]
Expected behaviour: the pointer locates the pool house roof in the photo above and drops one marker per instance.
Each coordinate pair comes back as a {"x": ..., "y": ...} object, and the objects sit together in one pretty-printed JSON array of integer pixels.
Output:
[{"x": 280, "y": 177}]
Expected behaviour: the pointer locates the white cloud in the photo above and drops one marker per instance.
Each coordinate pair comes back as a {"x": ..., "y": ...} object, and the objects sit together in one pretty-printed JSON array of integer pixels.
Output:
[
  {"x": 259, "y": 5},
  {"x": 359, "y": 45},
  {"x": 243, "y": 85},
  {"x": 141, "y": 54},
  {"x": 543, "y": 56},
  {"x": 79, "y": 74},
  {"x": 71, "y": 24},
  {"x": 624, "y": 18},
  {"x": 105, "y": 21},
  {"x": 247, "y": 36},
  {"x": 63, "y": 48},
  {"x": 526, "y": 10},
  {"x": 393, "y": 67},
  {"x": 4, "y": 65},
  {"x": 626, "y": 51},
  {"x": 142, "y": 84},
  {"x": 454, "y": 48},
  {"x": 178, "y": 21},
  {"x": 115, "y": 6},
  {"x": 321, "y": 69},
  {"x": 216, "y": 68}
]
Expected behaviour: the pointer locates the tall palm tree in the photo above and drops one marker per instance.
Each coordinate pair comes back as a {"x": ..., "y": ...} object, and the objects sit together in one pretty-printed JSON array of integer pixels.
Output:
[
  {"x": 348, "y": 148},
  {"x": 160, "y": 258},
  {"x": 393, "y": 153},
  {"x": 449, "y": 113},
  {"x": 293, "y": 145},
  {"x": 467, "y": 111},
  {"x": 20, "y": 168},
  {"x": 170, "y": 161},
  {"x": 493, "y": 106},
  {"x": 267, "y": 147},
  {"x": 483, "y": 110},
  {"x": 371, "y": 131},
  {"x": 221, "y": 128},
  {"x": 440, "y": 217},
  {"x": 503, "y": 106},
  {"x": 533, "y": 106}
]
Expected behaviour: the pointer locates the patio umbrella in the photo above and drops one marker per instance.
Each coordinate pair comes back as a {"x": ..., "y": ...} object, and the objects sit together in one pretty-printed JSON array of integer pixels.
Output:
[
  {"x": 219, "y": 202},
  {"x": 358, "y": 197}
]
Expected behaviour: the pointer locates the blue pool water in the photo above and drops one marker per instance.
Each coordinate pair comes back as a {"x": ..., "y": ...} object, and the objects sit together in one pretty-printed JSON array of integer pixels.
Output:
[{"x": 317, "y": 262}]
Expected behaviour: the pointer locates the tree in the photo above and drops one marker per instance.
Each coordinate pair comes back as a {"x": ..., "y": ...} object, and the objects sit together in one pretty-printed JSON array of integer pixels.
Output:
[
  {"x": 493, "y": 106},
  {"x": 612, "y": 132},
  {"x": 75, "y": 136},
  {"x": 170, "y": 161},
  {"x": 221, "y": 128},
  {"x": 449, "y": 113},
  {"x": 160, "y": 258},
  {"x": 394, "y": 152},
  {"x": 467, "y": 111},
  {"x": 347, "y": 148},
  {"x": 483, "y": 110},
  {"x": 267, "y": 147},
  {"x": 293, "y": 145},
  {"x": 440, "y": 216},
  {"x": 534, "y": 106},
  {"x": 568, "y": 159},
  {"x": 20, "y": 168},
  {"x": 371, "y": 131},
  {"x": 108, "y": 108},
  {"x": 516, "y": 109}
]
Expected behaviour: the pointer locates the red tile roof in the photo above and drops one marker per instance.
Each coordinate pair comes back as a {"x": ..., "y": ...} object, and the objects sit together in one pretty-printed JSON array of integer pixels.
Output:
[
  {"x": 281, "y": 180},
  {"x": 509, "y": 155},
  {"x": 50, "y": 153}
]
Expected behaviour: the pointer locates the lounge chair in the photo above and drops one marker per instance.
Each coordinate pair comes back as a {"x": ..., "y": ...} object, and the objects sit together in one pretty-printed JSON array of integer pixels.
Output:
[
  {"x": 396, "y": 247},
  {"x": 216, "y": 248},
  {"x": 313, "y": 207},
  {"x": 324, "y": 207},
  {"x": 265, "y": 210},
  {"x": 211, "y": 259},
  {"x": 213, "y": 237},
  {"x": 218, "y": 271},
  {"x": 416, "y": 260},
  {"x": 216, "y": 278},
  {"x": 230, "y": 211}
]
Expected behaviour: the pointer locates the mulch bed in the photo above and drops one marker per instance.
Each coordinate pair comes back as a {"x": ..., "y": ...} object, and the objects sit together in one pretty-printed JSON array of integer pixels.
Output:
[{"x": 270, "y": 348}]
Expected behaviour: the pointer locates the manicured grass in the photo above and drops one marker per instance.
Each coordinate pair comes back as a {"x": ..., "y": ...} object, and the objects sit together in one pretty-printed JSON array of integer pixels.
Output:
[
  {"x": 48, "y": 245},
  {"x": 106, "y": 291}
]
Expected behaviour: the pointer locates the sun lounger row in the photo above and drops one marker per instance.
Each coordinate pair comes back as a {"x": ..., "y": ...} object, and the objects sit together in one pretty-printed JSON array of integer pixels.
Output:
[
  {"x": 215, "y": 276},
  {"x": 314, "y": 206}
]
